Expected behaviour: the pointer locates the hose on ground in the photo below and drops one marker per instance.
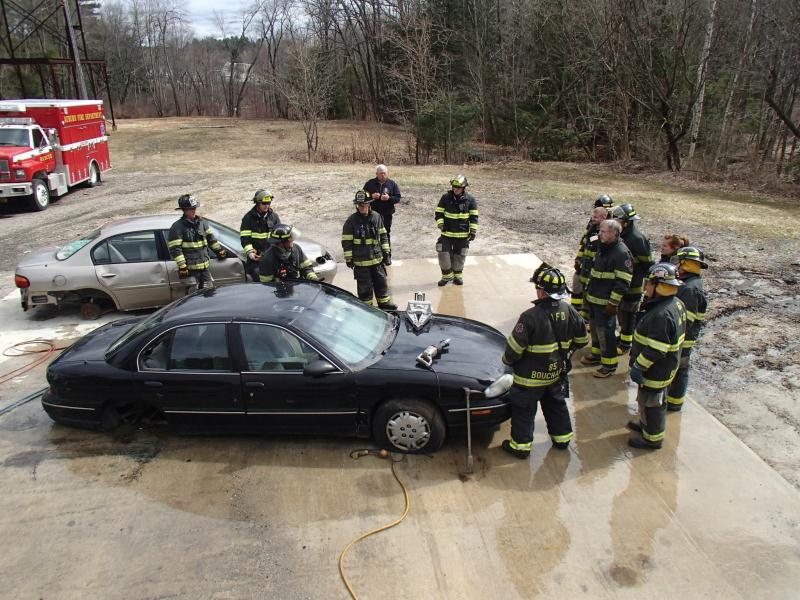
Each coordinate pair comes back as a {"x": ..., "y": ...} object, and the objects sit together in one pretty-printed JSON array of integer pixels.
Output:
[
  {"x": 380, "y": 454},
  {"x": 20, "y": 349}
]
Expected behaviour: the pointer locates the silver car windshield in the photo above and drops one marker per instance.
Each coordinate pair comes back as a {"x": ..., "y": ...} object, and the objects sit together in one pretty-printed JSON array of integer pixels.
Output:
[
  {"x": 142, "y": 327},
  {"x": 349, "y": 328},
  {"x": 227, "y": 237},
  {"x": 76, "y": 245}
]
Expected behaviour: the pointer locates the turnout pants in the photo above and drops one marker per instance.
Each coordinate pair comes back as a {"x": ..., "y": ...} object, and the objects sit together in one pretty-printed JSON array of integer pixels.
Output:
[
  {"x": 628, "y": 309},
  {"x": 369, "y": 279},
  {"x": 576, "y": 298},
  {"x": 199, "y": 280},
  {"x": 452, "y": 253},
  {"x": 524, "y": 401},
  {"x": 677, "y": 389},
  {"x": 604, "y": 336},
  {"x": 253, "y": 268},
  {"x": 652, "y": 413}
]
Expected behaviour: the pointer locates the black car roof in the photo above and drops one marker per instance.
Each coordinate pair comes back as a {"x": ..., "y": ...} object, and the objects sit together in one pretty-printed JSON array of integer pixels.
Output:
[{"x": 273, "y": 302}]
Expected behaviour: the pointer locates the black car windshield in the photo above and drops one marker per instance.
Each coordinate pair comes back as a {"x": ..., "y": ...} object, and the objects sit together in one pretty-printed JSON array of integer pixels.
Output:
[
  {"x": 71, "y": 248},
  {"x": 349, "y": 328},
  {"x": 140, "y": 328}
]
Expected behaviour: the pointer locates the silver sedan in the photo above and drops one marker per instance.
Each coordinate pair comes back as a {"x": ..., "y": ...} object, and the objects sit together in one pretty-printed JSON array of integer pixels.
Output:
[{"x": 126, "y": 263}]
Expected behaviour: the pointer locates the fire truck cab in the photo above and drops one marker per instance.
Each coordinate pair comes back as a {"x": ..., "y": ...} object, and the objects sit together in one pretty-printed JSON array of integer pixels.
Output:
[{"x": 48, "y": 146}]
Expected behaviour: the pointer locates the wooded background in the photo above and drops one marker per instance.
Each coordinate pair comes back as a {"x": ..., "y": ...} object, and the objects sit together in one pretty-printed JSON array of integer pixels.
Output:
[{"x": 706, "y": 85}]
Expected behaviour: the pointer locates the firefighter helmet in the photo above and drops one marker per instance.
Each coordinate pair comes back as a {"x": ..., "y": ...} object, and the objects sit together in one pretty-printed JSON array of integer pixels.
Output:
[
  {"x": 281, "y": 233},
  {"x": 552, "y": 282},
  {"x": 262, "y": 196},
  {"x": 362, "y": 197},
  {"x": 459, "y": 181},
  {"x": 689, "y": 253},
  {"x": 665, "y": 273},
  {"x": 187, "y": 201},
  {"x": 605, "y": 201},
  {"x": 625, "y": 212}
]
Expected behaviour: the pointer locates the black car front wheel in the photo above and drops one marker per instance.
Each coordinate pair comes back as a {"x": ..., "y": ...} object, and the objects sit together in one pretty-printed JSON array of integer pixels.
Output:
[{"x": 409, "y": 426}]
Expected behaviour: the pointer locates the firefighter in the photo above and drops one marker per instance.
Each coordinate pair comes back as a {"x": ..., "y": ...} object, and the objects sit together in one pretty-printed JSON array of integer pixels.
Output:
[
  {"x": 642, "y": 254},
  {"x": 609, "y": 280},
  {"x": 655, "y": 353},
  {"x": 457, "y": 219},
  {"x": 367, "y": 251},
  {"x": 587, "y": 248},
  {"x": 284, "y": 259},
  {"x": 690, "y": 261},
  {"x": 539, "y": 350},
  {"x": 189, "y": 240},
  {"x": 385, "y": 195},
  {"x": 257, "y": 223}
]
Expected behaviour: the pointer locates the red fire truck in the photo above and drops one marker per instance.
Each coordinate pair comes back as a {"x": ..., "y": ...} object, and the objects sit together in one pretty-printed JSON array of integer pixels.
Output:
[{"x": 48, "y": 146}]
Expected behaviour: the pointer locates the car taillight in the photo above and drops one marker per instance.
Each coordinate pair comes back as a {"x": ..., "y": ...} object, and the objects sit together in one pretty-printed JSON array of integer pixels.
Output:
[{"x": 21, "y": 282}]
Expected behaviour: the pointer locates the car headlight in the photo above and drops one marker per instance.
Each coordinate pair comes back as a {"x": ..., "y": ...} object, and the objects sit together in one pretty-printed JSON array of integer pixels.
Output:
[{"x": 499, "y": 386}]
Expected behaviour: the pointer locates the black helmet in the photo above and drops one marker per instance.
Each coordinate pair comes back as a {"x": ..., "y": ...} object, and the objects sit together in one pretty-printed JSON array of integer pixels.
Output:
[
  {"x": 664, "y": 272},
  {"x": 552, "y": 282},
  {"x": 459, "y": 181},
  {"x": 605, "y": 201},
  {"x": 187, "y": 201},
  {"x": 280, "y": 234},
  {"x": 689, "y": 253},
  {"x": 262, "y": 196},
  {"x": 625, "y": 212},
  {"x": 362, "y": 197}
]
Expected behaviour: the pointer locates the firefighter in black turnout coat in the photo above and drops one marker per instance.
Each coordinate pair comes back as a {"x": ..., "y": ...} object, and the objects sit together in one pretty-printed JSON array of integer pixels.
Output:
[
  {"x": 539, "y": 349},
  {"x": 257, "y": 224},
  {"x": 457, "y": 218},
  {"x": 285, "y": 259},
  {"x": 655, "y": 353},
  {"x": 366, "y": 251},
  {"x": 190, "y": 237}
]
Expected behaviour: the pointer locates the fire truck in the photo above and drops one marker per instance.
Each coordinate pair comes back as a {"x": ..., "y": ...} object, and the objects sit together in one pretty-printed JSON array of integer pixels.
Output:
[{"x": 49, "y": 146}]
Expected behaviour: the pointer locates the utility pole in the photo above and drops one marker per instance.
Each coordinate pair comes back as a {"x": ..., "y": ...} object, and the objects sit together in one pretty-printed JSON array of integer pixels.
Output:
[{"x": 76, "y": 57}]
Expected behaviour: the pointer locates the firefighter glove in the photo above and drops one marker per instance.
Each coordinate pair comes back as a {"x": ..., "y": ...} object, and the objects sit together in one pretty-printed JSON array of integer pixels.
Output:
[
  {"x": 183, "y": 272},
  {"x": 611, "y": 310},
  {"x": 471, "y": 236},
  {"x": 387, "y": 259},
  {"x": 636, "y": 374},
  {"x": 222, "y": 254},
  {"x": 440, "y": 226},
  {"x": 349, "y": 263},
  {"x": 252, "y": 256}
]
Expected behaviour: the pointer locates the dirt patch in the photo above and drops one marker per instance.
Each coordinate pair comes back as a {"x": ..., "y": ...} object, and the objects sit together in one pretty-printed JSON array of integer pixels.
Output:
[{"x": 745, "y": 370}]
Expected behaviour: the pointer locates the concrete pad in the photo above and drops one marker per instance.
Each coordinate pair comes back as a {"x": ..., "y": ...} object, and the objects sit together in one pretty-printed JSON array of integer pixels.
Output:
[{"x": 148, "y": 514}]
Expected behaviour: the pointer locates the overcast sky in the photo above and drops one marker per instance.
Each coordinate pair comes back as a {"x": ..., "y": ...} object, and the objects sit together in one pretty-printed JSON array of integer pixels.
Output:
[{"x": 201, "y": 15}]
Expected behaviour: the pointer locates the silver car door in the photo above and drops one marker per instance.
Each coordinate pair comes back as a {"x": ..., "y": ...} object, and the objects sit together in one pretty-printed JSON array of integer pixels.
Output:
[{"x": 128, "y": 267}]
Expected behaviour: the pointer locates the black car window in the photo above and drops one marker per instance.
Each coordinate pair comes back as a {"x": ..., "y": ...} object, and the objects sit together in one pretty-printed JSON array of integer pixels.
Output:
[
  {"x": 156, "y": 356},
  {"x": 134, "y": 247},
  {"x": 269, "y": 348},
  {"x": 200, "y": 348}
]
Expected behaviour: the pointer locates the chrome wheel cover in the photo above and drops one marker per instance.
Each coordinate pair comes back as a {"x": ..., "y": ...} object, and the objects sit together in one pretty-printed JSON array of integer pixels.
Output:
[
  {"x": 408, "y": 430},
  {"x": 41, "y": 195}
]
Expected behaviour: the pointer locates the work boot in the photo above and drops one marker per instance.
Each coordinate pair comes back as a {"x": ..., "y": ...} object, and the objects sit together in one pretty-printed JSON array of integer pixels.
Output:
[
  {"x": 458, "y": 281},
  {"x": 674, "y": 407},
  {"x": 444, "y": 281},
  {"x": 521, "y": 454},
  {"x": 635, "y": 426},
  {"x": 643, "y": 444},
  {"x": 603, "y": 372},
  {"x": 561, "y": 445},
  {"x": 622, "y": 350},
  {"x": 590, "y": 360},
  {"x": 388, "y": 306}
]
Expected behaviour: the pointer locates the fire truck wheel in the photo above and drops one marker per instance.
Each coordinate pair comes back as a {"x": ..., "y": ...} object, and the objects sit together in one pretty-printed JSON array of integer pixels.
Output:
[
  {"x": 40, "y": 198},
  {"x": 94, "y": 176}
]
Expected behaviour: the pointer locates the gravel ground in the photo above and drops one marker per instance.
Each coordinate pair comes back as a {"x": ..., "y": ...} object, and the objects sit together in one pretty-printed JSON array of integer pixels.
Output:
[{"x": 746, "y": 370}]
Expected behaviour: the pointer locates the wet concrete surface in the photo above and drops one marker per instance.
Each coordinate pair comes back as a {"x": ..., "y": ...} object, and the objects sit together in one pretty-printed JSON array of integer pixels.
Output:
[{"x": 143, "y": 513}]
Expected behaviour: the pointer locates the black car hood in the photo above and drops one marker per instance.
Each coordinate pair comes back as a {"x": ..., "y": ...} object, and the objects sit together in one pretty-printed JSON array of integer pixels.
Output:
[
  {"x": 93, "y": 345},
  {"x": 475, "y": 349}
]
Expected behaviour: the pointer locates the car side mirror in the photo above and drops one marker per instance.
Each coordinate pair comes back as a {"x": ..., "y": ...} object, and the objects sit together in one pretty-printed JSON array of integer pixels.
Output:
[{"x": 318, "y": 368}]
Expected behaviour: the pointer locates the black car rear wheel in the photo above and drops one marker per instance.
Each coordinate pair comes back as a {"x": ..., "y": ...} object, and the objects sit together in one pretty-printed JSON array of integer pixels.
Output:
[
  {"x": 126, "y": 414},
  {"x": 409, "y": 426}
]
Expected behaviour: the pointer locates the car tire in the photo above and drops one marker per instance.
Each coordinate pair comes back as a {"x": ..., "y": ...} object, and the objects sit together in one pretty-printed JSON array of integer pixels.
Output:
[
  {"x": 40, "y": 196},
  {"x": 408, "y": 426},
  {"x": 94, "y": 176}
]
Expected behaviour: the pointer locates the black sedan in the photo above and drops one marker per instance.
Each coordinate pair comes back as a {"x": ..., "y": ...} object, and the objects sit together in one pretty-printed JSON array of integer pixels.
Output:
[{"x": 302, "y": 357}]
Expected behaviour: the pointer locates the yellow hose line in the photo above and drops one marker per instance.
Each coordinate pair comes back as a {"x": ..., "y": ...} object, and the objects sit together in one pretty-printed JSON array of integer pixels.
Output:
[{"x": 369, "y": 533}]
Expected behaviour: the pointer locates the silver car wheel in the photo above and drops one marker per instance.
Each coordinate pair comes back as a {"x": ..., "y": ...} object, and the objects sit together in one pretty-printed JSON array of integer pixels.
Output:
[{"x": 408, "y": 430}]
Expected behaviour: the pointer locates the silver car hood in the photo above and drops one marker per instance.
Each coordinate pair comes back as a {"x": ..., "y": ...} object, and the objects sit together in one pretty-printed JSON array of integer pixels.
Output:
[{"x": 39, "y": 258}]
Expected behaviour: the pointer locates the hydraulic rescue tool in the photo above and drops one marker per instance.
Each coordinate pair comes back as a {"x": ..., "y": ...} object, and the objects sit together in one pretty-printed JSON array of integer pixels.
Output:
[{"x": 427, "y": 356}]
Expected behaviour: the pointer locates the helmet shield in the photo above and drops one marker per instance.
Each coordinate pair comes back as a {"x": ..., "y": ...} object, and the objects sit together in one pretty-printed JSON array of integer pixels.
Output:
[
  {"x": 187, "y": 201},
  {"x": 665, "y": 273},
  {"x": 362, "y": 197}
]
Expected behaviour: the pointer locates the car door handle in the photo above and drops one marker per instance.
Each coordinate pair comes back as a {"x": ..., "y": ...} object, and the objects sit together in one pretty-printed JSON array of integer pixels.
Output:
[
  {"x": 254, "y": 384},
  {"x": 153, "y": 384},
  {"x": 108, "y": 275}
]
